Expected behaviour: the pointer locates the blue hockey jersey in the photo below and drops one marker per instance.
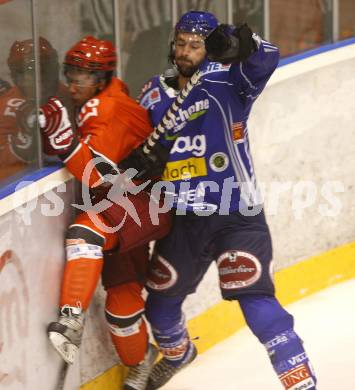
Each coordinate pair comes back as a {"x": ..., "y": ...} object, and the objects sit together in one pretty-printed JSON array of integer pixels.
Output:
[{"x": 210, "y": 165}]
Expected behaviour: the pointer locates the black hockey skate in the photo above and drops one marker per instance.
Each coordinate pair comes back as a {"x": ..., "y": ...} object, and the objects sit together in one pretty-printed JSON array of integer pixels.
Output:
[
  {"x": 163, "y": 371},
  {"x": 137, "y": 377}
]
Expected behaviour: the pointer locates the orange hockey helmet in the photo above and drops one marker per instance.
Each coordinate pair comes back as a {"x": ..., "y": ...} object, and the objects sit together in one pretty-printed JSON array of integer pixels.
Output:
[{"x": 93, "y": 55}]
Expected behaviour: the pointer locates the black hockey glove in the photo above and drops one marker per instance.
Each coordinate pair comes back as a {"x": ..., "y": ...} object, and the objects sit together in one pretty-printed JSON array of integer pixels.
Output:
[
  {"x": 227, "y": 43},
  {"x": 148, "y": 165}
]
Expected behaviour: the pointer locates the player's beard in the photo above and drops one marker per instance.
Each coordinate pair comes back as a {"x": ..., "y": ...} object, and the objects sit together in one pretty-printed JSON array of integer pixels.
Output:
[{"x": 187, "y": 69}]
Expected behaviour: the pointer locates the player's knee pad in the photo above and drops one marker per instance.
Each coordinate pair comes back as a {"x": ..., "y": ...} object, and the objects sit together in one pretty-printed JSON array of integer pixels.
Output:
[
  {"x": 124, "y": 326},
  {"x": 124, "y": 315},
  {"x": 124, "y": 309},
  {"x": 129, "y": 336}
]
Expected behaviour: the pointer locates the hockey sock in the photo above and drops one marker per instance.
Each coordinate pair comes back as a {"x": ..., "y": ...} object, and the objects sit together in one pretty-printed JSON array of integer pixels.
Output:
[
  {"x": 79, "y": 282},
  {"x": 83, "y": 268},
  {"x": 169, "y": 328},
  {"x": 273, "y": 326},
  {"x": 124, "y": 314}
]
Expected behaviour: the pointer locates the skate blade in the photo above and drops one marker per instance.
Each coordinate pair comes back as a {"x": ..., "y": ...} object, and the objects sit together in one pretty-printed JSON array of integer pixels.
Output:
[{"x": 65, "y": 349}]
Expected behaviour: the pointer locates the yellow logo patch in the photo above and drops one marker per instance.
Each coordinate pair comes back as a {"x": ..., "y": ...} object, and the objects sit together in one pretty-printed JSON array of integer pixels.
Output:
[{"x": 185, "y": 169}]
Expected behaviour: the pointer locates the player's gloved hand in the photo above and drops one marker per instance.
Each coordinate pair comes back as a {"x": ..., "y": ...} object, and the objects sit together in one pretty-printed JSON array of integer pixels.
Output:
[
  {"x": 148, "y": 165},
  {"x": 56, "y": 128},
  {"x": 99, "y": 192},
  {"x": 227, "y": 43},
  {"x": 22, "y": 141},
  {"x": 26, "y": 116}
]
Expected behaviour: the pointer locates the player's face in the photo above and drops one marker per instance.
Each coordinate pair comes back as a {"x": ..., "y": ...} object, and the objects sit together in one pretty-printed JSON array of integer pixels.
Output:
[
  {"x": 190, "y": 52},
  {"x": 82, "y": 86},
  {"x": 26, "y": 80}
]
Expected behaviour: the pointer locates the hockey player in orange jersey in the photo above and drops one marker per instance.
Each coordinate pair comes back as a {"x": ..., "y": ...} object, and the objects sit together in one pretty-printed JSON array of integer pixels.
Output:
[
  {"x": 110, "y": 125},
  {"x": 13, "y": 141},
  {"x": 17, "y": 145}
]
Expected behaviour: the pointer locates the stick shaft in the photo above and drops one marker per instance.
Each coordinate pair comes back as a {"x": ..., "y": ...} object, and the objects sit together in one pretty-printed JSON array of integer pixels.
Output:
[
  {"x": 62, "y": 376},
  {"x": 161, "y": 128}
]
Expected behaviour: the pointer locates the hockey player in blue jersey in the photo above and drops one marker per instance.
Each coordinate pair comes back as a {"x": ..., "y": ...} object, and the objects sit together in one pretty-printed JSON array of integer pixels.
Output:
[{"x": 219, "y": 215}]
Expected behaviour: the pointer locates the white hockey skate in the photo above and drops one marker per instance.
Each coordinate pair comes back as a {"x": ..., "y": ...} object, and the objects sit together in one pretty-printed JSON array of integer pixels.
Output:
[
  {"x": 163, "y": 371},
  {"x": 65, "y": 335},
  {"x": 137, "y": 377}
]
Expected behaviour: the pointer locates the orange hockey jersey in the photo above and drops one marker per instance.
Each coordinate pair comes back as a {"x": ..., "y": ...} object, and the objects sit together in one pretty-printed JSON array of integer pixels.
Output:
[
  {"x": 15, "y": 143},
  {"x": 110, "y": 126}
]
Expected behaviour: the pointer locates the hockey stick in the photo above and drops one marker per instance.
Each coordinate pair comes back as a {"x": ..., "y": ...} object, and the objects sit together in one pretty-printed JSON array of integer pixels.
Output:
[
  {"x": 69, "y": 375},
  {"x": 62, "y": 375},
  {"x": 160, "y": 129},
  {"x": 144, "y": 157}
]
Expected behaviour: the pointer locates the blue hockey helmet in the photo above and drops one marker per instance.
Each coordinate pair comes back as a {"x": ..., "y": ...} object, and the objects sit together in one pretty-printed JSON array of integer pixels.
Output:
[{"x": 196, "y": 22}]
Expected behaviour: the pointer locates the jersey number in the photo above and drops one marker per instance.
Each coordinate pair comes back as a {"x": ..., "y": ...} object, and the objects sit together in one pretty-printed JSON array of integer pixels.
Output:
[
  {"x": 12, "y": 106},
  {"x": 88, "y": 110}
]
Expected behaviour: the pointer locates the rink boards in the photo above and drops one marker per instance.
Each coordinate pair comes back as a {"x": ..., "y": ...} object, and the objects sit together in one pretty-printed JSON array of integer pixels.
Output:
[{"x": 302, "y": 134}]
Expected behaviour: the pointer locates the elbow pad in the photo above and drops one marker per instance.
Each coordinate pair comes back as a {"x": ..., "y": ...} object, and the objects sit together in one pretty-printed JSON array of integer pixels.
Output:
[{"x": 227, "y": 43}]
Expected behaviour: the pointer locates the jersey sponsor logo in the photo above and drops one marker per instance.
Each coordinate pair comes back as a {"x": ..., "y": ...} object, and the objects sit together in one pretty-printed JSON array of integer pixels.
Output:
[
  {"x": 193, "y": 198},
  {"x": 238, "y": 269},
  {"x": 196, "y": 145},
  {"x": 298, "y": 378},
  {"x": 191, "y": 113},
  {"x": 219, "y": 162},
  {"x": 185, "y": 169},
  {"x": 151, "y": 98},
  {"x": 162, "y": 274},
  {"x": 216, "y": 67},
  {"x": 59, "y": 142},
  {"x": 187, "y": 196},
  {"x": 238, "y": 132}
]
